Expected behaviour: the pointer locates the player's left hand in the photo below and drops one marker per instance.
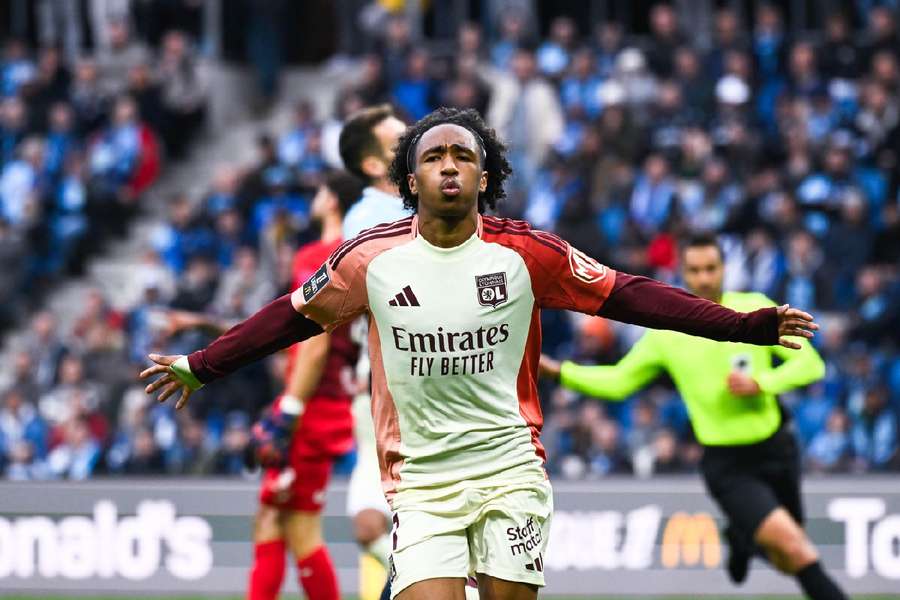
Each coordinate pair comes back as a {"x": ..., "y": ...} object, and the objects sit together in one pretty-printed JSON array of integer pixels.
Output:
[
  {"x": 794, "y": 322},
  {"x": 169, "y": 379},
  {"x": 741, "y": 384}
]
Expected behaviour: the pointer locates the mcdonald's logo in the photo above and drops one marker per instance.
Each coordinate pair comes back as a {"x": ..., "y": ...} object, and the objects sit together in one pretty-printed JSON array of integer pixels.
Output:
[{"x": 687, "y": 538}]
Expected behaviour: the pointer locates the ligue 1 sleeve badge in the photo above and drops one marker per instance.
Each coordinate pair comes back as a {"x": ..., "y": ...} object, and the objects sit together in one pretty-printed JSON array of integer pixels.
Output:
[{"x": 491, "y": 289}]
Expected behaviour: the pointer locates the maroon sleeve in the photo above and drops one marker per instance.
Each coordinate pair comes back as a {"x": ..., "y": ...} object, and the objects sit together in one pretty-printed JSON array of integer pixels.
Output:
[
  {"x": 277, "y": 325},
  {"x": 646, "y": 302}
]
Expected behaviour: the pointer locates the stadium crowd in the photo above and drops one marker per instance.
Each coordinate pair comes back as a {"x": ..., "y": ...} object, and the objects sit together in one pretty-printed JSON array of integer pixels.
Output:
[{"x": 786, "y": 146}]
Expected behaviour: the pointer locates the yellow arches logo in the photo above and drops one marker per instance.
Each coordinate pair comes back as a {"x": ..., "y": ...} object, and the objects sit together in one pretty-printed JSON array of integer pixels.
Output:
[{"x": 688, "y": 538}]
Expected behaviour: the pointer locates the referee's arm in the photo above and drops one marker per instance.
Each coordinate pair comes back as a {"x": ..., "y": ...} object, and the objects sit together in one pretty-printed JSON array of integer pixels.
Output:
[
  {"x": 800, "y": 367},
  {"x": 614, "y": 382}
]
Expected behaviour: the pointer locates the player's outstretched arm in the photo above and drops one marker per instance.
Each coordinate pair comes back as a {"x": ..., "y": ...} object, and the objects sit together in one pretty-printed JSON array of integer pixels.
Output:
[
  {"x": 275, "y": 326},
  {"x": 649, "y": 303},
  {"x": 610, "y": 382}
]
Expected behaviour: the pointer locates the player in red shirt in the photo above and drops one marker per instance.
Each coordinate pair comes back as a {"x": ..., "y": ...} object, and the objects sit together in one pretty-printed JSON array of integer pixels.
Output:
[{"x": 292, "y": 494}]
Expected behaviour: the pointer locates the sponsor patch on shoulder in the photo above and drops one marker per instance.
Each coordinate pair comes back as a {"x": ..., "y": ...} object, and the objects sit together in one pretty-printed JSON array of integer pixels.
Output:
[
  {"x": 584, "y": 267},
  {"x": 316, "y": 282}
]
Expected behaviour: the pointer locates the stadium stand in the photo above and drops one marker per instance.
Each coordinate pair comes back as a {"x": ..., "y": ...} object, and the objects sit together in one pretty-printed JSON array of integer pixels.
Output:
[{"x": 785, "y": 144}]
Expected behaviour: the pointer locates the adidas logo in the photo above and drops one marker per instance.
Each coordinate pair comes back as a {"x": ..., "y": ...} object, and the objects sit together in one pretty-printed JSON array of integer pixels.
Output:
[
  {"x": 537, "y": 565},
  {"x": 405, "y": 298}
]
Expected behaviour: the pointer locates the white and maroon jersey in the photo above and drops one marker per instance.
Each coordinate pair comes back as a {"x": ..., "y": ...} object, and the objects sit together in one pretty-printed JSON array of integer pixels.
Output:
[{"x": 454, "y": 342}]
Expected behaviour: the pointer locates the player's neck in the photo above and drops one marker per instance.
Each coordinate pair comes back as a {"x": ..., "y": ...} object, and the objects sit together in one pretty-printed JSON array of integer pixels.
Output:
[
  {"x": 331, "y": 229},
  {"x": 387, "y": 186},
  {"x": 445, "y": 232}
]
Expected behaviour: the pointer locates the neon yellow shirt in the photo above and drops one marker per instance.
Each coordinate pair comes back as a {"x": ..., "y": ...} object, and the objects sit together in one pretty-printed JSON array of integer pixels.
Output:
[{"x": 700, "y": 368}]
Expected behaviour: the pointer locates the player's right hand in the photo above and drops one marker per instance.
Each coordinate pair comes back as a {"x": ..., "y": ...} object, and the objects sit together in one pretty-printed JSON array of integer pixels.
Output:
[{"x": 170, "y": 382}]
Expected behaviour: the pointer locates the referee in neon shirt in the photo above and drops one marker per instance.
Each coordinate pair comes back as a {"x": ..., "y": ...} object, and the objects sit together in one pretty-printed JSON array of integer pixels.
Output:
[{"x": 751, "y": 464}]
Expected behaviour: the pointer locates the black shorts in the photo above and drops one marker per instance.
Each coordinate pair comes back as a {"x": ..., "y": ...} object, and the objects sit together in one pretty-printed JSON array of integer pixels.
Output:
[{"x": 749, "y": 482}]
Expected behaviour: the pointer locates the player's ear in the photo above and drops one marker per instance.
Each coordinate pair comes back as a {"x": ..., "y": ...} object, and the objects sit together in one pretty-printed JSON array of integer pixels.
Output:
[
  {"x": 482, "y": 183},
  {"x": 373, "y": 167},
  {"x": 411, "y": 181}
]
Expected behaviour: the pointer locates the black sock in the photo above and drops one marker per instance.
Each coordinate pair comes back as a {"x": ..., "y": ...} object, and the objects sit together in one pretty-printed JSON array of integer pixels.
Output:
[{"x": 818, "y": 585}]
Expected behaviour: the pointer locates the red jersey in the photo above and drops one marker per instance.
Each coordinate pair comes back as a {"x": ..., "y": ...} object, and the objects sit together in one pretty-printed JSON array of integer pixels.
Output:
[
  {"x": 342, "y": 353},
  {"x": 326, "y": 426}
]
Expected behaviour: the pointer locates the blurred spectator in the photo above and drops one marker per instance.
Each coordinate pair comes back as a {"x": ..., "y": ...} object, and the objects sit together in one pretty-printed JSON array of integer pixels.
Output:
[
  {"x": 841, "y": 56},
  {"x": 88, "y": 99},
  {"x": 531, "y": 124},
  {"x": 13, "y": 127},
  {"x": 229, "y": 458},
  {"x": 184, "y": 84},
  {"x": 414, "y": 91},
  {"x": 874, "y": 431},
  {"x": 244, "y": 288},
  {"x": 829, "y": 450},
  {"x": 555, "y": 55},
  {"x": 145, "y": 458},
  {"x": 115, "y": 61},
  {"x": 20, "y": 423},
  {"x": 665, "y": 38},
  {"x": 78, "y": 454},
  {"x": 21, "y": 185}
]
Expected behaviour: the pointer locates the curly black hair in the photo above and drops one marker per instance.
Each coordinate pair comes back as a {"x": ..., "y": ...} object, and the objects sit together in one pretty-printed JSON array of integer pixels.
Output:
[{"x": 495, "y": 162}]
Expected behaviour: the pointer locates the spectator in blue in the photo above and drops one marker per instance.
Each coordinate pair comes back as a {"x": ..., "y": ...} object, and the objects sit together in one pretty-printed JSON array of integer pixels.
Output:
[
  {"x": 824, "y": 192},
  {"x": 115, "y": 153},
  {"x": 581, "y": 88},
  {"x": 184, "y": 236},
  {"x": 848, "y": 247},
  {"x": 878, "y": 308},
  {"x": 146, "y": 323},
  {"x": 312, "y": 168},
  {"x": 16, "y": 68},
  {"x": 653, "y": 196},
  {"x": 769, "y": 42},
  {"x": 22, "y": 185},
  {"x": 555, "y": 55},
  {"x": 78, "y": 455},
  {"x": 830, "y": 450},
  {"x": 20, "y": 422},
  {"x": 229, "y": 235},
  {"x": 223, "y": 194},
  {"x": 280, "y": 203},
  {"x": 229, "y": 458},
  {"x": 714, "y": 200},
  {"x": 13, "y": 127},
  {"x": 806, "y": 281},
  {"x": 608, "y": 43},
  {"x": 68, "y": 218},
  {"x": 60, "y": 141},
  {"x": 415, "y": 91},
  {"x": 292, "y": 146},
  {"x": 512, "y": 35},
  {"x": 874, "y": 432}
]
